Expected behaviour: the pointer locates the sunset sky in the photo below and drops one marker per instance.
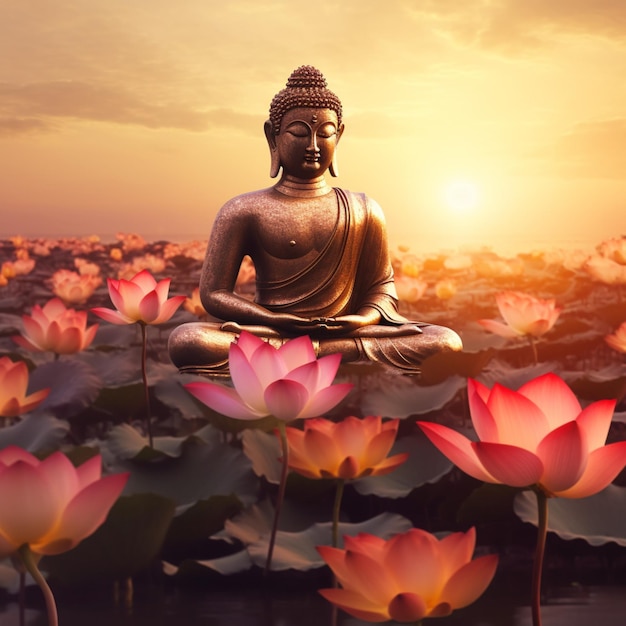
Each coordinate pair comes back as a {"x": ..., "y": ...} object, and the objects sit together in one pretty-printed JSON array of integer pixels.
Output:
[{"x": 501, "y": 122}]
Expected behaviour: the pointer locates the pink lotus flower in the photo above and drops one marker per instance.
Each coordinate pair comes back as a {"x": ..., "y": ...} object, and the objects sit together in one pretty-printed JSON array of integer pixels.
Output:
[
  {"x": 72, "y": 287},
  {"x": 50, "y": 505},
  {"x": 409, "y": 288},
  {"x": 287, "y": 382},
  {"x": 13, "y": 389},
  {"x": 23, "y": 266},
  {"x": 150, "y": 262},
  {"x": 523, "y": 314},
  {"x": 56, "y": 328},
  {"x": 606, "y": 270},
  {"x": 411, "y": 576},
  {"x": 536, "y": 436},
  {"x": 617, "y": 340},
  {"x": 349, "y": 450},
  {"x": 140, "y": 299},
  {"x": 85, "y": 267}
]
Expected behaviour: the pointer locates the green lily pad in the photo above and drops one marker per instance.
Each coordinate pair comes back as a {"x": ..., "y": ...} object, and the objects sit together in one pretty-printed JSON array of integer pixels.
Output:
[
  {"x": 127, "y": 543},
  {"x": 205, "y": 467},
  {"x": 264, "y": 450},
  {"x": 225, "y": 565},
  {"x": 424, "y": 465},
  {"x": 489, "y": 502},
  {"x": 9, "y": 577},
  {"x": 598, "y": 519},
  {"x": 407, "y": 398},
  {"x": 35, "y": 433},
  {"x": 171, "y": 393},
  {"x": 197, "y": 523},
  {"x": 296, "y": 550},
  {"x": 73, "y": 385},
  {"x": 126, "y": 442}
]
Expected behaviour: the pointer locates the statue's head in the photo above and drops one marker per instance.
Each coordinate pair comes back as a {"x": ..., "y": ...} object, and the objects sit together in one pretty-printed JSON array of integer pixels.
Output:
[{"x": 306, "y": 89}]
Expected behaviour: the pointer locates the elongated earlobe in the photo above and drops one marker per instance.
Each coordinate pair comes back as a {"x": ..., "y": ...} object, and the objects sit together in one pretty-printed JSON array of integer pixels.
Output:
[
  {"x": 334, "y": 167},
  {"x": 271, "y": 142},
  {"x": 275, "y": 163}
]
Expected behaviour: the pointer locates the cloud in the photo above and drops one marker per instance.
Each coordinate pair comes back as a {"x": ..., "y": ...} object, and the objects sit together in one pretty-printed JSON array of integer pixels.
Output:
[
  {"x": 21, "y": 126},
  {"x": 590, "y": 150},
  {"x": 515, "y": 26},
  {"x": 30, "y": 107}
]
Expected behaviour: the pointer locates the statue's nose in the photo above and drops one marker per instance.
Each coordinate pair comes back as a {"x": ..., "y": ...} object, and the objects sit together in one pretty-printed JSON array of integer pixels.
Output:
[{"x": 312, "y": 147}]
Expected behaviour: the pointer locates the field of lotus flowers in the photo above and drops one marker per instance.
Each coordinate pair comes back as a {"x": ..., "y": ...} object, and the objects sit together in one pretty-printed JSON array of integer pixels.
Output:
[{"x": 515, "y": 446}]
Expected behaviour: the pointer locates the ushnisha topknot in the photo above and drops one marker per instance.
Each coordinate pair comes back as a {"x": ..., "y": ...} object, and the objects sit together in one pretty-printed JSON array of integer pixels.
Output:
[{"x": 306, "y": 87}]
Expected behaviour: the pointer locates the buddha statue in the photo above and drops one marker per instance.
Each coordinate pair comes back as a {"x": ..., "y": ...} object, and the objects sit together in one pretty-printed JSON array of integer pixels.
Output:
[{"x": 320, "y": 253}]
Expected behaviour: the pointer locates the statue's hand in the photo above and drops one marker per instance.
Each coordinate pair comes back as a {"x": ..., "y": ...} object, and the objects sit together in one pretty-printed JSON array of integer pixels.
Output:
[{"x": 341, "y": 325}]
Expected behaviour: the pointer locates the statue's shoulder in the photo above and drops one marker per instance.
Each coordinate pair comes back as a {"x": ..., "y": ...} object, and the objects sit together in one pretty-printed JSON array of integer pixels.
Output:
[
  {"x": 364, "y": 203},
  {"x": 245, "y": 205}
]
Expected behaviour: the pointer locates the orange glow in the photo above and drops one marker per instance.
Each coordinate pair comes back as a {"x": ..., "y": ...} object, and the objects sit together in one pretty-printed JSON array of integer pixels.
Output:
[{"x": 133, "y": 126}]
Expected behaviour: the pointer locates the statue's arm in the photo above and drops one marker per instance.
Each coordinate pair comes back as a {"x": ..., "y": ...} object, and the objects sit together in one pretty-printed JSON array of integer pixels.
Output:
[{"x": 232, "y": 238}]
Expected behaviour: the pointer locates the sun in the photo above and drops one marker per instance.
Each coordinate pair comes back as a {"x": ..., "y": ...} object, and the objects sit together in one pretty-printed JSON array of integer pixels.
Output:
[{"x": 461, "y": 195}]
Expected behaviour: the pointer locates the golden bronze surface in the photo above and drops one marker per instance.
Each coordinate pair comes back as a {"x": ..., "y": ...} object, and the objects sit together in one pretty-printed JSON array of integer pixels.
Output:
[{"x": 320, "y": 253}]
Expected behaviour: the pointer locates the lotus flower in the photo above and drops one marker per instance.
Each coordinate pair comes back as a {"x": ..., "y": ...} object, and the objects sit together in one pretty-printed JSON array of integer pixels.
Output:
[
  {"x": 524, "y": 315},
  {"x": 85, "y": 267},
  {"x": 194, "y": 305},
  {"x": 73, "y": 287},
  {"x": 8, "y": 270},
  {"x": 144, "y": 301},
  {"x": 56, "y": 328},
  {"x": 287, "y": 382},
  {"x": 349, "y": 450},
  {"x": 409, "y": 577},
  {"x": 409, "y": 288},
  {"x": 23, "y": 266},
  {"x": 13, "y": 388},
  {"x": 51, "y": 505},
  {"x": 140, "y": 299},
  {"x": 613, "y": 248},
  {"x": 605, "y": 270},
  {"x": 445, "y": 289},
  {"x": 617, "y": 340},
  {"x": 536, "y": 436}
]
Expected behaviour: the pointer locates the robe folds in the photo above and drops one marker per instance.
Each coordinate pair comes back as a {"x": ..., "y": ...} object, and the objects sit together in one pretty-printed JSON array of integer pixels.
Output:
[{"x": 352, "y": 271}]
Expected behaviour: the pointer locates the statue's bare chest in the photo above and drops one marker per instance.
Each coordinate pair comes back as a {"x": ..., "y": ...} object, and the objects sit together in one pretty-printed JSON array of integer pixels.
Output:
[{"x": 297, "y": 229}]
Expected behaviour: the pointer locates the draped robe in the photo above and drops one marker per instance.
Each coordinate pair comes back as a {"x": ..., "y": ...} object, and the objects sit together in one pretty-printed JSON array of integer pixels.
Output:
[{"x": 352, "y": 271}]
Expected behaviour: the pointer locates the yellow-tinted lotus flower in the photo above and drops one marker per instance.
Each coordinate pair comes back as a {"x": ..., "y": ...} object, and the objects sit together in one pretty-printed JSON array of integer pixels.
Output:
[
  {"x": 193, "y": 304},
  {"x": 350, "y": 449},
  {"x": 74, "y": 288},
  {"x": 524, "y": 315},
  {"x": 411, "y": 576},
  {"x": 13, "y": 389},
  {"x": 617, "y": 340}
]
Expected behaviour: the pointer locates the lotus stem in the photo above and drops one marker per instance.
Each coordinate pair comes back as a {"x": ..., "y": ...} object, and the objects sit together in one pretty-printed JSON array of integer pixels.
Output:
[
  {"x": 281, "y": 493},
  {"x": 533, "y": 346},
  {"x": 144, "y": 377},
  {"x": 542, "y": 532},
  {"x": 31, "y": 566},
  {"x": 336, "y": 509},
  {"x": 22, "y": 599}
]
